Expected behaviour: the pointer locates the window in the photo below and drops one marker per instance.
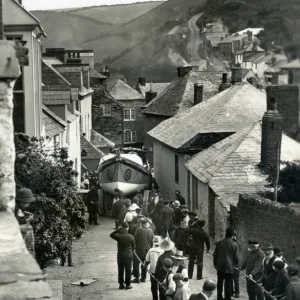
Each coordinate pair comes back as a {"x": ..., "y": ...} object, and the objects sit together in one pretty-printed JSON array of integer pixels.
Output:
[
  {"x": 56, "y": 141},
  {"x": 14, "y": 38},
  {"x": 106, "y": 110},
  {"x": 129, "y": 137},
  {"x": 176, "y": 168},
  {"x": 129, "y": 114}
]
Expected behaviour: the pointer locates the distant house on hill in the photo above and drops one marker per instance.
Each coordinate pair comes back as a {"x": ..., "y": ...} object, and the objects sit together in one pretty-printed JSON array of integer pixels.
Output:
[
  {"x": 255, "y": 31},
  {"x": 183, "y": 93},
  {"x": 178, "y": 32}
]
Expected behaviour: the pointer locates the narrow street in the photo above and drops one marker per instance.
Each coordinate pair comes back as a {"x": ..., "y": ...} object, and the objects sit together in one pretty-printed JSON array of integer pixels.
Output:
[
  {"x": 94, "y": 255},
  {"x": 194, "y": 38}
]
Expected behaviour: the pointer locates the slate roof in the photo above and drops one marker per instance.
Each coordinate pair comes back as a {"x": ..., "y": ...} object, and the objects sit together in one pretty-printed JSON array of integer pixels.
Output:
[
  {"x": 215, "y": 41},
  {"x": 70, "y": 117},
  {"x": 95, "y": 74},
  {"x": 230, "y": 167},
  {"x": 122, "y": 91},
  {"x": 229, "y": 111},
  {"x": 54, "y": 125},
  {"x": 231, "y": 38},
  {"x": 295, "y": 64},
  {"x": 85, "y": 91},
  {"x": 92, "y": 151},
  {"x": 249, "y": 48},
  {"x": 179, "y": 95},
  {"x": 110, "y": 83},
  {"x": 177, "y": 30},
  {"x": 250, "y": 57},
  {"x": 157, "y": 87},
  {"x": 49, "y": 62},
  {"x": 100, "y": 141}
]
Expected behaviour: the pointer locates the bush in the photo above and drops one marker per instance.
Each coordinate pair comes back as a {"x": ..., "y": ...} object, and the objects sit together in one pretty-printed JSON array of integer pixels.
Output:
[{"x": 59, "y": 212}]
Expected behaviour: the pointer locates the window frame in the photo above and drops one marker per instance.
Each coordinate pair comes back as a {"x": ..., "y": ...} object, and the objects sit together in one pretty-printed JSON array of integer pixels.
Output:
[
  {"x": 132, "y": 115},
  {"x": 104, "y": 110},
  {"x": 129, "y": 136}
]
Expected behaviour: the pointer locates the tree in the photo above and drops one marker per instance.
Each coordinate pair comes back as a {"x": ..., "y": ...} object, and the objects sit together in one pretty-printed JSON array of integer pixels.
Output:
[{"x": 59, "y": 212}]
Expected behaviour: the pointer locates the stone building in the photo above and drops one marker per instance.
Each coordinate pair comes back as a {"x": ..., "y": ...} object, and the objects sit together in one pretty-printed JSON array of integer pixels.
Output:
[
  {"x": 24, "y": 27},
  {"x": 176, "y": 98},
  {"x": 143, "y": 87},
  {"x": 132, "y": 101}
]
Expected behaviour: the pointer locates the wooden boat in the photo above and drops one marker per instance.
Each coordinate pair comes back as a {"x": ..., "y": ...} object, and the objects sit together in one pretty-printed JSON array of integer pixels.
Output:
[{"x": 122, "y": 174}]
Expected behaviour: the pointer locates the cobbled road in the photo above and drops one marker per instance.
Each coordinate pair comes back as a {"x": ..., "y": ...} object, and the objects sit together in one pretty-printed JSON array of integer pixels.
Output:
[{"x": 94, "y": 255}]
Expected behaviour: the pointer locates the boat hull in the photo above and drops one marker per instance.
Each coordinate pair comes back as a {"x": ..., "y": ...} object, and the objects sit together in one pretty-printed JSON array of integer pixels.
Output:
[{"x": 120, "y": 176}]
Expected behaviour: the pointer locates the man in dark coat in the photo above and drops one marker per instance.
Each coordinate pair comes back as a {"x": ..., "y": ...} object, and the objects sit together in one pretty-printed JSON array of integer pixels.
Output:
[
  {"x": 282, "y": 280},
  {"x": 116, "y": 209},
  {"x": 225, "y": 260},
  {"x": 208, "y": 288},
  {"x": 143, "y": 238},
  {"x": 179, "y": 197},
  {"x": 293, "y": 289},
  {"x": 196, "y": 247},
  {"x": 126, "y": 247},
  {"x": 92, "y": 201},
  {"x": 167, "y": 219},
  {"x": 269, "y": 275},
  {"x": 177, "y": 212},
  {"x": 254, "y": 269}
]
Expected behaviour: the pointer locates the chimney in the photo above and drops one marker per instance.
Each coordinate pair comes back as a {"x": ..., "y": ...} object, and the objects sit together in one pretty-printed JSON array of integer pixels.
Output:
[
  {"x": 86, "y": 78},
  {"x": 56, "y": 52},
  {"x": 183, "y": 71},
  {"x": 198, "y": 93},
  {"x": 105, "y": 71},
  {"x": 250, "y": 35},
  {"x": 150, "y": 95},
  {"x": 236, "y": 74},
  {"x": 225, "y": 84},
  {"x": 88, "y": 58},
  {"x": 73, "y": 61},
  {"x": 273, "y": 60},
  {"x": 142, "y": 81},
  {"x": 271, "y": 134},
  {"x": 254, "y": 47}
]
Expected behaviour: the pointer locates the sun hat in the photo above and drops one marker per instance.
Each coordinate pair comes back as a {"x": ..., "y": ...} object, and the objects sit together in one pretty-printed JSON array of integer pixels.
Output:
[
  {"x": 24, "y": 195},
  {"x": 176, "y": 203},
  {"x": 179, "y": 255},
  {"x": 166, "y": 244}
]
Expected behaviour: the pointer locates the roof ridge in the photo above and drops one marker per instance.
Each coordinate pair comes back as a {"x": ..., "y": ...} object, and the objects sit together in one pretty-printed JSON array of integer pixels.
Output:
[
  {"x": 54, "y": 116},
  {"x": 94, "y": 147}
]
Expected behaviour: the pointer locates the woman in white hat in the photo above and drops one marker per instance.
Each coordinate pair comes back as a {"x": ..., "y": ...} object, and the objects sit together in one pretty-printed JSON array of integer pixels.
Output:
[{"x": 179, "y": 265}]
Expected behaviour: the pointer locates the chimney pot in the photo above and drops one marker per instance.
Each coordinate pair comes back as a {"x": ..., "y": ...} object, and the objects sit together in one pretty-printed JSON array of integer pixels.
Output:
[
  {"x": 254, "y": 46},
  {"x": 142, "y": 81},
  {"x": 182, "y": 71},
  {"x": 198, "y": 93}
]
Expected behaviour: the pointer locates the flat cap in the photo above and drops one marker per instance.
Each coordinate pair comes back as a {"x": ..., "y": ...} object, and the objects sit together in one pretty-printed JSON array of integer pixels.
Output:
[
  {"x": 253, "y": 242},
  {"x": 209, "y": 286},
  {"x": 125, "y": 225},
  {"x": 168, "y": 263}
]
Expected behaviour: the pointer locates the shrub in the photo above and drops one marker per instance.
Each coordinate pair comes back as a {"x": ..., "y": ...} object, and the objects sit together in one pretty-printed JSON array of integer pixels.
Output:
[{"x": 59, "y": 212}]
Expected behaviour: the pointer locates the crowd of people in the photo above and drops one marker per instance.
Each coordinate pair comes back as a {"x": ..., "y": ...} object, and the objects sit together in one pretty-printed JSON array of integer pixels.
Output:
[{"x": 166, "y": 242}]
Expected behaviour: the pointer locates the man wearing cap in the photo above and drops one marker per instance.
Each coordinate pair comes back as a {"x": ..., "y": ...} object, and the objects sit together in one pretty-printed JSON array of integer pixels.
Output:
[
  {"x": 126, "y": 247},
  {"x": 92, "y": 200},
  {"x": 167, "y": 245},
  {"x": 151, "y": 258},
  {"x": 208, "y": 288},
  {"x": 293, "y": 288},
  {"x": 168, "y": 283},
  {"x": 143, "y": 238},
  {"x": 269, "y": 275},
  {"x": 254, "y": 269},
  {"x": 225, "y": 260},
  {"x": 24, "y": 198},
  {"x": 196, "y": 247},
  {"x": 282, "y": 280},
  {"x": 138, "y": 213}
]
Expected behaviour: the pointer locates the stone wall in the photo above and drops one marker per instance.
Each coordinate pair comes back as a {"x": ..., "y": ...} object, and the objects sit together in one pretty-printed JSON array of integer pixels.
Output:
[
  {"x": 28, "y": 236},
  {"x": 267, "y": 221},
  {"x": 109, "y": 126}
]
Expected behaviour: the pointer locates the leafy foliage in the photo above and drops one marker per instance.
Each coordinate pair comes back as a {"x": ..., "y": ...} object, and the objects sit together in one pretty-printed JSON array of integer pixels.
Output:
[
  {"x": 288, "y": 183},
  {"x": 59, "y": 213}
]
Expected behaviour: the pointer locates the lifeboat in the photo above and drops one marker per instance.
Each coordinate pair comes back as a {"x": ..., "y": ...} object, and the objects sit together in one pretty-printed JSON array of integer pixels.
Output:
[{"x": 123, "y": 174}]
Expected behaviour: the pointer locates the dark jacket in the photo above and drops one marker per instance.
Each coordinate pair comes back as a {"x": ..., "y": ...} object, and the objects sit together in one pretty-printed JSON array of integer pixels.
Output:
[
  {"x": 293, "y": 289},
  {"x": 167, "y": 218},
  {"x": 116, "y": 208},
  {"x": 199, "y": 238},
  {"x": 181, "y": 199},
  {"x": 92, "y": 196},
  {"x": 254, "y": 264},
  {"x": 197, "y": 297},
  {"x": 125, "y": 241},
  {"x": 143, "y": 238},
  {"x": 178, "y": 215},
  {"x": 281, "y": 283},
  {"x": 226, "y": 256},
  {"x": 122, "y": 215},
  {"x": 160, "y": 273},
  {"x": 269, "y": 274}
]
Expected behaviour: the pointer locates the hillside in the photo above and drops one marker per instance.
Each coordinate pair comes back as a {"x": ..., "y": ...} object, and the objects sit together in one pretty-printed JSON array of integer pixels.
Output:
[
  {"x": 128, "y": 35},
  {"x": 67, "y": 30},
  {"x": 279, "y": 18},
  {"x": 116, "y": 14}
]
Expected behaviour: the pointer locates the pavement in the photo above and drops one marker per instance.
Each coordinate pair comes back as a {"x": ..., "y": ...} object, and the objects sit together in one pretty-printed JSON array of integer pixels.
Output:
[{"x": 94, "y": 256}]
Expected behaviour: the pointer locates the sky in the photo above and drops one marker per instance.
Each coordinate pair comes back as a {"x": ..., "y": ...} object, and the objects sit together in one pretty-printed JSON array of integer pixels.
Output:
[{"x": 57, "y": 4}]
